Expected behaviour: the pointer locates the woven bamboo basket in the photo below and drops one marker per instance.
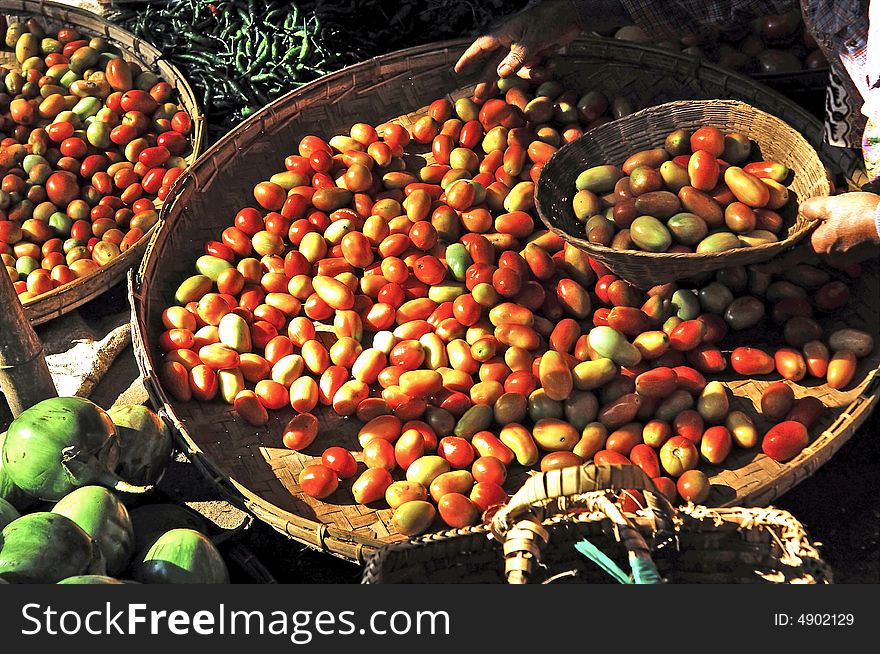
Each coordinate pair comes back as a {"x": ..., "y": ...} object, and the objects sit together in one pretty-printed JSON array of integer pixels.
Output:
[
  {"x": 250, "y": 467},
  {"x": 613, "y": 142},
  {"x": 54, "y": 15},
  {"x": 801, "y": 82},
  {"x": 532, "y": 539}
]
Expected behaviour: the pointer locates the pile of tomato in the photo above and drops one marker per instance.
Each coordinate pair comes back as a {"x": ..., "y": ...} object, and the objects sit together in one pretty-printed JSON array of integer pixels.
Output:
[
  {"x": 699, "y": 192},
  {"x": 88, "y": 141},
  {"x": 427, "y": 304}
]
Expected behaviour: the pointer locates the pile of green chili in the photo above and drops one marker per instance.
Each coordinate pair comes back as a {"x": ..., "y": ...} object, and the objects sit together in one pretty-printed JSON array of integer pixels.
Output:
[{"x": 239, "y": 55}]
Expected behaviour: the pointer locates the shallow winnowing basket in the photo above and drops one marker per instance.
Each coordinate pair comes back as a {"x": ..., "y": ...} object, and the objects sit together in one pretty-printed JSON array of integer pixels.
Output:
[
  {"x": 532, "y": 539},
  {"x": 69, "y": 296},
  {"x": 613, "y": 142},
  {"x": 251, "y": 467}
]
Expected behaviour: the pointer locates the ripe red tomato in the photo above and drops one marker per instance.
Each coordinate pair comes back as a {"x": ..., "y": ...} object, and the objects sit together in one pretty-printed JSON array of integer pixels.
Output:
[
  {"x": 74, "y": 147},
  {"x": 457, "y": 451},
  {"x": 62, "y": 188},
  {"x": 269, "y": 195},
  {"x": 703, "y": 170},
  {"x": 710, "y": 139},
  {"x": 318, "y": 481},
  {"x": 300, "y": 431},
  {"x": 340, "y": 461},
  {"x": 429, "y": 269},
  {"x": 489, "y": 469}
]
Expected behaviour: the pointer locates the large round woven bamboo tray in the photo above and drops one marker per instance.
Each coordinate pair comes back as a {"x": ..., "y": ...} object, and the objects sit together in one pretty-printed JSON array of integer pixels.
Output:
[
  {"x": 53, "y": 15},
  {"x": 249, "y": 466},
  {"x": 613, "y": 142}
]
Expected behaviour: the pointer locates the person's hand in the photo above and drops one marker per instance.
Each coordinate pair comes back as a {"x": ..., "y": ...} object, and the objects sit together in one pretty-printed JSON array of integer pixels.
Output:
[
  {"x": 847, "y": 222},
  {"x": 846, "y": 233},
  {"x": 529, "y": 36}
]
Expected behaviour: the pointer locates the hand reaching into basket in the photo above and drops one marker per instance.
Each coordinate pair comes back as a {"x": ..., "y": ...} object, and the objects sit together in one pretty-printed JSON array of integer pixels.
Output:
[{"x": 530, "y": 36}]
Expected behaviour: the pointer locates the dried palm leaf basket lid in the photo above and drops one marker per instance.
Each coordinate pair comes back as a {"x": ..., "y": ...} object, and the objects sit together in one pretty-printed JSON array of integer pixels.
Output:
[
  {"x": 249, "y": 466},
  {"x": 613, "y": 142},
  {"x": 563, "y": 526},
  {"x": 54, "y": 15}
]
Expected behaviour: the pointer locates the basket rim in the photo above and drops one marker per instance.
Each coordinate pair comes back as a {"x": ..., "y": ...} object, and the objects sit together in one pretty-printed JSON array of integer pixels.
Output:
[
  {"x": 805, "y": 72},
  {"x": 796, "y": 235},
  {"x": 346, "y": 544},
  {"x": 49, "y": 306},
  {"x": 798, "y": 75}
]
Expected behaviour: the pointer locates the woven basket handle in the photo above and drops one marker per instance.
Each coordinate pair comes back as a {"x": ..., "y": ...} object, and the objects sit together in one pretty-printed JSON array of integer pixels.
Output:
[
  {"x": 518, "y": 524},
  {"x": 537, "y": 496}
]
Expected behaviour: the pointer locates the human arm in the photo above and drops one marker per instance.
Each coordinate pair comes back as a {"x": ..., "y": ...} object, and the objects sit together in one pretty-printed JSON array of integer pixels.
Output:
[{"x": 530, "y": 35}]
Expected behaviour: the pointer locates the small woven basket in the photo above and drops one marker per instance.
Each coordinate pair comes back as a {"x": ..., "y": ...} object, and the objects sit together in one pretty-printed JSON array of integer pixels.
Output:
[
  {"x": 613, "y": 142},
  {"x": 53, "y": 15},
  {"x": 532, "y": 539}
]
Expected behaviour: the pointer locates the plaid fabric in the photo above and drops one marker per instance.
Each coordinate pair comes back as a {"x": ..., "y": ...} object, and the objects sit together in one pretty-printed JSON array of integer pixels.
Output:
[{"x": 841, "y": 28}]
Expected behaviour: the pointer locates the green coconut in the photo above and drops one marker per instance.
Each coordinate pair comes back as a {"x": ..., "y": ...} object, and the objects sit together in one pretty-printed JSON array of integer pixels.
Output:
[
  {"x": 90, "y": 580},
  {"x": 8, "y": 490},
  {"x": 60, "y": 444},
  {"x": 46, "y": 547},
  {"x": 8, "y": 513},
  {"x": 182, "y": 556},
  {"x": 151, "y": 521},
  {"x": 103, "y": 517},
  {"x": 144, "y": 443}
]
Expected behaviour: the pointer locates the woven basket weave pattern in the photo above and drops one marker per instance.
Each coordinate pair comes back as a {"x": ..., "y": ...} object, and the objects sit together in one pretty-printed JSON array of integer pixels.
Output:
[{"x": 735, "y": 545}]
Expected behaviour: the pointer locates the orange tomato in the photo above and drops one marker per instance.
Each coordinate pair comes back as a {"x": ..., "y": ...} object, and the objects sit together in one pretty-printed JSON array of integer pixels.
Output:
[{"x": 703, "y": 170}]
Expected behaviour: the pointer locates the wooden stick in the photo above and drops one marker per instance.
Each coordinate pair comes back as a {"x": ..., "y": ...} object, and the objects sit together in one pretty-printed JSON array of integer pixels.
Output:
[{"x": 24, "y": 375}]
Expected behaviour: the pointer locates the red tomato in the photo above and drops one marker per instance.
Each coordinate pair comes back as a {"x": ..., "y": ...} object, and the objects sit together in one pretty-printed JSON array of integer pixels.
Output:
[
  {"x": 269, "y": 195},
  {"x": 60, "y": 131},
  {"x": 703, "y": 170},
  {"x": 429, "y": 269},
  {"x": 318, "y": 481},
  {"x": 300, "y": 431},
  {"x": 181, "y": 122},
  {"x": 489, "y": 469},
  {"x": 74, "y": 147},
  {"x": 249, "y": 221},
  {"x": 340, "y": 461},
  {"x": 457, "y": 451},
  {"x": 710, "y": 139}
]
